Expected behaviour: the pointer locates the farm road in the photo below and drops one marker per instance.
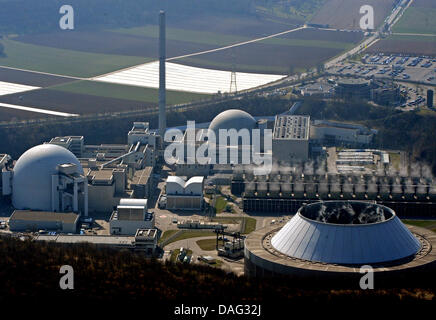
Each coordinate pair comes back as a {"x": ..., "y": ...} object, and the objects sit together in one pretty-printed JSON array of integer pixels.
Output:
[{"x": 237, "y": 44}]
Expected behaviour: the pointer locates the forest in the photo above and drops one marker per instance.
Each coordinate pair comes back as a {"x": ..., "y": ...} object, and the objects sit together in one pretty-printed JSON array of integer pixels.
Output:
[{"x": 29, "y": 271}]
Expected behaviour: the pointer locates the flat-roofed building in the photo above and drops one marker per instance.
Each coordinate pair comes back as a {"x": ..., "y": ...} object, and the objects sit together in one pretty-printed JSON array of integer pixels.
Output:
[
  {"x": 334, "y": 133},
  {"x": 27, "y": 220},
  {"x": 75, "y": 144},
  {"x": 106, "y": 185},
  {"x": 146, "y": 241},
  {"x": 353, "y": 89},
  {"x": 291, "y": 138},
  {"x": 142, "y": 183},
  {"x": 131, "y": 215}
]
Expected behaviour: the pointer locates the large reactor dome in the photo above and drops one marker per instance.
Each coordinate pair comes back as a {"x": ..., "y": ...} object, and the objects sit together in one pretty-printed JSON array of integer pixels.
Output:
[
  {"x": 346, "y": 233},
  {"x": 233, "y": 119},
  {"x": 32, "y": 179}
]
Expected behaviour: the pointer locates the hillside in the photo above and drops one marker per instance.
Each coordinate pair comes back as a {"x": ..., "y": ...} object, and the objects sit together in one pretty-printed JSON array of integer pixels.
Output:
[{"x": 30, "y": 272}]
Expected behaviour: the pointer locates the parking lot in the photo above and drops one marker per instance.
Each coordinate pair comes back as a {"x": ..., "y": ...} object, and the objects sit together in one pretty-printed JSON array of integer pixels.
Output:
[{"x": 411, "y": 71}]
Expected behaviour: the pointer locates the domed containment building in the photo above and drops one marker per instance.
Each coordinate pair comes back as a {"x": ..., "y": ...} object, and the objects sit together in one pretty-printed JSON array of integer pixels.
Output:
[
  {"x": 233, "y": 119},
  {"x": 49, "y": 178},
  {"x": 333, "y": 239}
]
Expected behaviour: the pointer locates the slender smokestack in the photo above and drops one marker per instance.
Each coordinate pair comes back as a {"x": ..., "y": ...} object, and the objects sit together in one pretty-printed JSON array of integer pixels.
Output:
[{"x": 162, "y": 78}]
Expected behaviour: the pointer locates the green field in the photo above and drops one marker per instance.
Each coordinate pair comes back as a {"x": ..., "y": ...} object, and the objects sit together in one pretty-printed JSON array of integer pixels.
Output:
[
  {"x": 207, "y": 244},
  {"x": 399, "y": 37},
  {"x": 220, "y": 204},
  {"x": 417, "y": 20},
  {"x": 429, "y": 224},
  {"x": 211, "y": 64},
  {"x": 167, "y": 234},
  {"x": 308, "y": 43},
  {"x": 117, "y": 91},
  {"x": 188, "y": 234},
  {"x": 250, "y": 225},
  {"x": 63, "y": 62},
  {"x": 202, "y": 37},
  {"x": 217, "y": 39}
]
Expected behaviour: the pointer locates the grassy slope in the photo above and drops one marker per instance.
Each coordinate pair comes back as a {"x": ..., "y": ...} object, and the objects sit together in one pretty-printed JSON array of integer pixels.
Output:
[
  {"x": 417, "y": 20},
  {"x": 65, "y": 62},
  {"x": 110, "y": 90}
]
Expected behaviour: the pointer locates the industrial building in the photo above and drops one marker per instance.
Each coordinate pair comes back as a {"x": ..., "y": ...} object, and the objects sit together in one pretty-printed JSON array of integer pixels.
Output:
[
  {"x": 143, "y": 241},
  {"x": 353, "y": 174},
  {"x": 33, "y": 221},
  {"x": 54, "y": 178},
  {"x": 131, "y": 215},
  {"x": 291, "y": 138},
  {"x": 67, "y": 176},
  {"x": 329, "y": 133},
  {"x": 184, "y": 195},
  {"x": 386, "y": 93},
  {"x": 333, "y": 239},
  {"x": 349, "y": 88}
]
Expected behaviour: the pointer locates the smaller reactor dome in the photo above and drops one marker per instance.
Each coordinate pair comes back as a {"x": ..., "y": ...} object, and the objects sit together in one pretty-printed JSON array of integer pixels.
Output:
[
  {"x": 233, "y": 119},
  {"x": 33, "y": 172}
]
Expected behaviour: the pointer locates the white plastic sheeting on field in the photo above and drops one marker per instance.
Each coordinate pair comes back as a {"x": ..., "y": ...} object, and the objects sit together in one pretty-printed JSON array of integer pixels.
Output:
[
  {"x": 185, "y": 78},
  {"x": 10, "y": 88}
]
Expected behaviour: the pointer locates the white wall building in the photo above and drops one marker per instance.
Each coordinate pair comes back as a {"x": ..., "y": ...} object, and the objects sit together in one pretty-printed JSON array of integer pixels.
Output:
[
  {"x": 184, "y": 195},
  {"x": 131, "y": 215}
]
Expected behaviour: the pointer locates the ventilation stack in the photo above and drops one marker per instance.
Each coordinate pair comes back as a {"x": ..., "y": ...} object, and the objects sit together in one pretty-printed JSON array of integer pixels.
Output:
[{"x": 162, "y": 75}]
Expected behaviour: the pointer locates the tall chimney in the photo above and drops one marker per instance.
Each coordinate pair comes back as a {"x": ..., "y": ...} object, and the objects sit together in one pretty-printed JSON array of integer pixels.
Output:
[{"x": 162, "y": 76}]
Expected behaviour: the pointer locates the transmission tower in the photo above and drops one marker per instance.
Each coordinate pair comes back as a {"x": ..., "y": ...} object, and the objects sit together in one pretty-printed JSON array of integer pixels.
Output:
[{"x": 233, "y": 85}]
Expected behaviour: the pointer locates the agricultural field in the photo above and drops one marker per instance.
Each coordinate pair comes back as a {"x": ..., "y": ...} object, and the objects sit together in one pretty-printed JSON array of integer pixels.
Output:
[
  {"x": 133, "y": 93},
  {"x": 31, "y": 78},
  {"x": 344, "y": 14},
  {"x": 114, "y": 55},
  {"x": 68, "y": 102},
  {"x": 200, "y": 80},
  {"x": 297, "y": 51},
  {"x": 418, "y": 18},
  {"x": 413, "y": 45},
  {"x": 62, "y": 62},
  {"x": 7, "y": 115}
]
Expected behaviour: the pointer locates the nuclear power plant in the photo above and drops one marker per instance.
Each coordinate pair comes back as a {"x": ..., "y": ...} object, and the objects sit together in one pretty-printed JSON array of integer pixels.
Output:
[{"x": 345, "y": 195}]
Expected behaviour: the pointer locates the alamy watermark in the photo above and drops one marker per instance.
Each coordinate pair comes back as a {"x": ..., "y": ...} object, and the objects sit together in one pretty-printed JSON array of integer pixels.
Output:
[
  {"x": 367, "y": 280},
  {"x": 67, "y": 280},
  {"x": 230, "y": 147},
  {"x": 367, "y": 20},
  {"x": 67, "y": 20}
]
